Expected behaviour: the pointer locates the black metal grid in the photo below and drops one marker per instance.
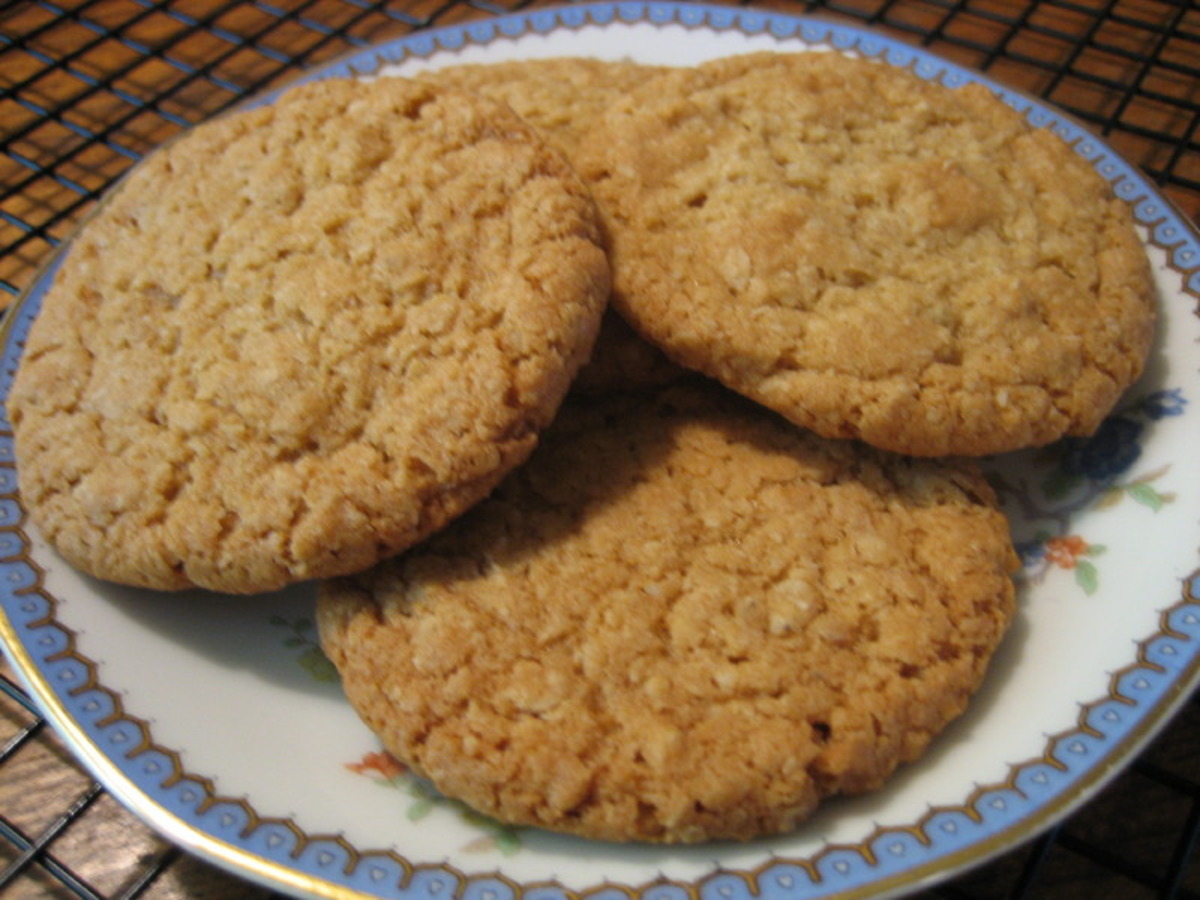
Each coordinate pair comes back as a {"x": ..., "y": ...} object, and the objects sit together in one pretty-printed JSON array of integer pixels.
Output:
[
  {"x": 87, "y": 87},
  {"x": 91, "y": 85}
]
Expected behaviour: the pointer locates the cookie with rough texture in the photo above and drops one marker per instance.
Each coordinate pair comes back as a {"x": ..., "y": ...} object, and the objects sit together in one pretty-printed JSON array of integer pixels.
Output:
[
  {"x": 304, "y": 336},
  {"x": 682, "y": 619},
  {"x": 562, "y": 96},
  {"x": 871, "y": 254}
]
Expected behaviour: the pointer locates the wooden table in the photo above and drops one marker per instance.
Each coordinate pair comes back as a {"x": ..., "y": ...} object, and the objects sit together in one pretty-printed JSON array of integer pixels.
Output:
[{"x": 89, "y": 85}]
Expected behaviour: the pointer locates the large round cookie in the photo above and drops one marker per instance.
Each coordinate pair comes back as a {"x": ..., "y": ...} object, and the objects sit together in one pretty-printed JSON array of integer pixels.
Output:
[
  {"x": 682, "y": 619},
  {"x": 305, "y": 336},
  {"x": 562, "y": 97},
  {"x": 871, "y": 254}
]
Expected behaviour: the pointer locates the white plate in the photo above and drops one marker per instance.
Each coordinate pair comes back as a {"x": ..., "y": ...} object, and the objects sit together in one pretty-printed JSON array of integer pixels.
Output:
[{"x": 216, "y": 720}]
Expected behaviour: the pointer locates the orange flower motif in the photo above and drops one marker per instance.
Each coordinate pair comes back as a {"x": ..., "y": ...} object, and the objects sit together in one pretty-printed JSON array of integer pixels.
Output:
[
  {"x": 1064, "y": 552},
  {"x": 382, "y": 764}
]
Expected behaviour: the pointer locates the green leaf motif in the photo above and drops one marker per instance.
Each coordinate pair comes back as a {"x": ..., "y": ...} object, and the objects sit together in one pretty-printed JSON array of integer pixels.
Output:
[
  {"x": 317, "y": 665},
  {"x": 1087, "y": 577},
  {"x": 508, "y": 842},
  {"x": 422, "y": 789},
  {"x": 1146, "y": 495},
  {"x": 419, "y": 810},
  {"x": 503, "y": 838}
]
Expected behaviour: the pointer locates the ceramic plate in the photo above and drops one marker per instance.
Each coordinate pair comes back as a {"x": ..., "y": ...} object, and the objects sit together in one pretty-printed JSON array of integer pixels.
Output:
[{"x": 220, "y": 723}]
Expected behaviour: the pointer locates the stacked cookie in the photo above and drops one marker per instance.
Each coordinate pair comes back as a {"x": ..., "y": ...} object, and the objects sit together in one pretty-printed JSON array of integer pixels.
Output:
[
  {"x": 304, "y": 337},
  {"x": 747, "y": 566},
  {"x": 870, "y": 254}
]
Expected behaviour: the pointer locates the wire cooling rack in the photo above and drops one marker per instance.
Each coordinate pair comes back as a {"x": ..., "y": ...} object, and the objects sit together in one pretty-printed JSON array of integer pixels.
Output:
[{"x": 89, "y": 86}]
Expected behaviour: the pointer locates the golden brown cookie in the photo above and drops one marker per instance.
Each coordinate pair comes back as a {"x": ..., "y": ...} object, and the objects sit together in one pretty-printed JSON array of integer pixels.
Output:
[
  {"x": 559, "y": 95},
  {"x": 871, "y": 254},
  {"x": 562, "y": 96},
  {"x": 682, "y": 619},
  {"x": 305, "y": 336}
]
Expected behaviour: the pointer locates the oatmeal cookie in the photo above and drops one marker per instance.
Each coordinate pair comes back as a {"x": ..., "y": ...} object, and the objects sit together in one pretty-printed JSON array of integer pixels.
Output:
[
  {"x": 562, "y": 96},
  {"x": 559, "y": 95},
  {"x": 683, "y": 619},
  {"x": 304, "y": 336},
  {"x": 871, "y": 254}
]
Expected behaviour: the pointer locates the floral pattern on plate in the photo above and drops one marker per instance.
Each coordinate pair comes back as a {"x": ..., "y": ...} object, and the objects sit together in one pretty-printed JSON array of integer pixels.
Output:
[
  {"x": 387, "y": 771},
  {"x": 1088, "y": 473}
]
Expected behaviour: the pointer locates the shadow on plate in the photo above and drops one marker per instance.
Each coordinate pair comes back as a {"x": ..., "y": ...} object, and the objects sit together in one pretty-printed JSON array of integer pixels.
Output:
[{"x": 273, "y": 635}]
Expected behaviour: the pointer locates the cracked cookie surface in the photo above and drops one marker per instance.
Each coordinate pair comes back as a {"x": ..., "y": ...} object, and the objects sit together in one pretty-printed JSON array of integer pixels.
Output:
[
  {"x": 682, "y": 619},
  {"x": 870, "y": 254},
  {"x": 562, "y": 97},
  {"x": 304, "y": 336}
]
